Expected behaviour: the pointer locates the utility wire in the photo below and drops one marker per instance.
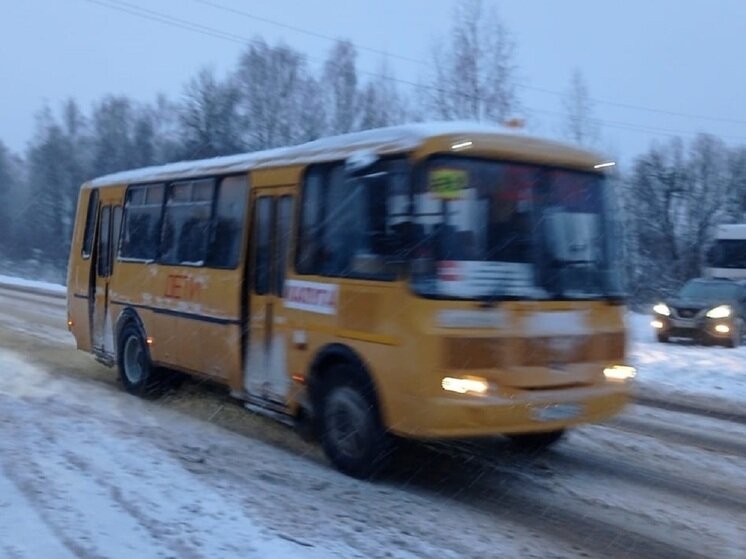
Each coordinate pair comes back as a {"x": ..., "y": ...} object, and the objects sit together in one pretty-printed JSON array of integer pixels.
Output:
[
  {"x": 303, "y": 31},
  {"x": 160, "y": 17},
  {"x": 421, "y": 62}
]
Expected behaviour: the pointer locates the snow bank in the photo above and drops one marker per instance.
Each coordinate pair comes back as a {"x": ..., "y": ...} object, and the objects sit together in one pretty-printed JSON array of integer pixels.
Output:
[
  {"x": 34, "y": 286},
  {"x": 713, "y": 375}
]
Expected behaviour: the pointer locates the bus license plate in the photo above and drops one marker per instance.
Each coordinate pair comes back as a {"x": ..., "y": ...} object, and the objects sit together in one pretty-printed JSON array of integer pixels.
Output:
[{"x": 558, "y": 412}]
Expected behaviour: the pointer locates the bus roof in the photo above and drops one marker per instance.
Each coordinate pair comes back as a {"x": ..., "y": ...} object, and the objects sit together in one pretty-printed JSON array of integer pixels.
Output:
[{"x": 485, "y": 140}]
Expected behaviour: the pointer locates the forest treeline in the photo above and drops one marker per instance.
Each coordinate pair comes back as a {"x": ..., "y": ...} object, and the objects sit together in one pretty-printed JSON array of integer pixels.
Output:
[{"x": 668, "y": 198}]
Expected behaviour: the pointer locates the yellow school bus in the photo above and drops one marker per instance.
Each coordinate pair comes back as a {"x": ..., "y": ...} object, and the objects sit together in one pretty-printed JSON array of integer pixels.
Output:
[{"x": 428, "y": 281}]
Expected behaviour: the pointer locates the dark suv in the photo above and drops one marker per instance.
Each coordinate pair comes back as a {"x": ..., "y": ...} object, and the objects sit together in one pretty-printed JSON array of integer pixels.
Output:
[{"x": 704, "y": 309}]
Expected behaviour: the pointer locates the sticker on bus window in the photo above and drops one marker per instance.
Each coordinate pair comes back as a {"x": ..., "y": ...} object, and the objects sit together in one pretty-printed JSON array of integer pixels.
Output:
[{"x": 448, "y": 184}]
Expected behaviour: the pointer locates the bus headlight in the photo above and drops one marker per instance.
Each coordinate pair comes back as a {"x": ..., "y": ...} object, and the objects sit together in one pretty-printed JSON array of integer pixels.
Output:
[
  {"x": 662, "y": 309},
  {"x": 620, "y": 372},
  {"x": 723, "y": 311},
  {"x": 464, "y": 385}
]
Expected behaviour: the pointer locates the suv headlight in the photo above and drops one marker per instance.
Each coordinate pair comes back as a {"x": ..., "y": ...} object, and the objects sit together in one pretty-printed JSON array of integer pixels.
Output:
[
  {"x": 723, "y": 311},
  {"x": 662, "y": 308}
]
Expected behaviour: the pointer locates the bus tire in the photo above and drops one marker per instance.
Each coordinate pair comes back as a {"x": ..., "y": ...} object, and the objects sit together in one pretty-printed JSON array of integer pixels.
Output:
[
  {"x": 536, "y": 441},
  {"x": 352, "y": 434},
  {"x": 136, "y": 370}
]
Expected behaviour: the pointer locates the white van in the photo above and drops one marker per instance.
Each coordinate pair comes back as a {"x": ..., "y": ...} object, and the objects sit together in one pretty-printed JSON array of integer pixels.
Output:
[{"x": 727, "y": 256}]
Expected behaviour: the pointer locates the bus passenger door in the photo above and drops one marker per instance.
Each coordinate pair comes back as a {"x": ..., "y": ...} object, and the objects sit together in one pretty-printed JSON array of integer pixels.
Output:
[
  {"x": 266, "y": 375},
  {"x": 109, "y": 224}
]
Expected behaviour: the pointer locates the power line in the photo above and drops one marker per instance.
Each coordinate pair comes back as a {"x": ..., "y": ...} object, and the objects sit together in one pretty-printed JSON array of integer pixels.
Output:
[
  {"x": 421, "y": 62},
  {"x": 303, "y": 31},
  {"x": 160, "y": 17}
]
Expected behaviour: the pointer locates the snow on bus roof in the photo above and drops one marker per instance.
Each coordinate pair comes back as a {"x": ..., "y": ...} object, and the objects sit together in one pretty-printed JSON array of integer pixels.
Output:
[{"x": 381, "y": 140}]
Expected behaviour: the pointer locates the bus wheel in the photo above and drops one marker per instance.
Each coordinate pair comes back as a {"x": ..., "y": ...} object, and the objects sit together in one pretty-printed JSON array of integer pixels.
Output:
[
  {"x": 352, "y": 435},
  {"x": 137, "y": 372},
  {"x": 536, "y": 441}
]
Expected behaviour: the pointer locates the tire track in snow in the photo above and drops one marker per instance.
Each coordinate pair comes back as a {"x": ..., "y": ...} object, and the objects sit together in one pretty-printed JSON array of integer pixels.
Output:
[
  {"x": 578, "y": 519},
  {"x": 679, "y": 435}
]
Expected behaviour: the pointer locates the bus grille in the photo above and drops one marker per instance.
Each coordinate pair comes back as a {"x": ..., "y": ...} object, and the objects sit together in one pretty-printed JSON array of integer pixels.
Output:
[{"x": 488, "y": 353}]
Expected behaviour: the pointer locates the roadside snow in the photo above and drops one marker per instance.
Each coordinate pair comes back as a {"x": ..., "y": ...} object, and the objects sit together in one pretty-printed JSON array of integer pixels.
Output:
[
  {"x": 713, "y": 375},
  {"x": 33, "y": 285},
  {"x": 89, "y": 471}
]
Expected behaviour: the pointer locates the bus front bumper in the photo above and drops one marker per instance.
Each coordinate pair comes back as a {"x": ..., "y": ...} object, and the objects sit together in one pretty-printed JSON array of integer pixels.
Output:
[{"x": 464, "y": 416}]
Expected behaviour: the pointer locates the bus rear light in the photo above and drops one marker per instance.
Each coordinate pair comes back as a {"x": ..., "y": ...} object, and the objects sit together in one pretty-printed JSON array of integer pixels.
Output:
[{"x": 464, "y": 385}]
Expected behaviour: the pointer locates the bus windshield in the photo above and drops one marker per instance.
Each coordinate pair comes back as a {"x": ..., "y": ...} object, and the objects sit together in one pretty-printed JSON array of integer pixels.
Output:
[
  {"x": 728, "y": 253},
  {"x": 487, "y": 229}
]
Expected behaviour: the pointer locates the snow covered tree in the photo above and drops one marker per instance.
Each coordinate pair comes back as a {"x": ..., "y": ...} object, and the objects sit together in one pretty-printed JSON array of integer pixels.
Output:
[
  {"x": 10, "y": 176},
  {"x": 210, "y": 121},
  {"x": 475, "y": 69},
  {"x": 674, "y": 197},
  {"x": 580, "y": 125},
  {"x": 340, "y": 86},
  {"x": 112, "y": 137},
  {"x": 381, "y": 103},
  {"x": 276, "y": 93},
  {"x": 56, "y": 169}
]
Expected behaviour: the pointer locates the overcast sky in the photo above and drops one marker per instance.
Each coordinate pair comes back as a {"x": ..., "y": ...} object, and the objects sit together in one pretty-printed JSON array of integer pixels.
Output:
[{"x": 682, "y": 56}]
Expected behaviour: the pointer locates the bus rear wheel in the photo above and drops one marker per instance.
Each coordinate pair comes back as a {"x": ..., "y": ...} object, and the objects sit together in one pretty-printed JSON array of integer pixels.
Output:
[
  {"x": 536, "y": 441},
  {"x": 136, "y": 370},
  {"x": 351, "y": 432}
]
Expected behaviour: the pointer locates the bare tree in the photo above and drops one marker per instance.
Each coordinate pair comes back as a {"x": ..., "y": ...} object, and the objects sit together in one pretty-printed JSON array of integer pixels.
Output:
[
  {"x": 274, "y": 87},
  {"x": 10, "y": 176},
  {"x": 475, "y": 69},
  {"x": 340, "y": 86},
  {"x": 580, "y": 125},
  {"x": 380, "y": 102},
  {"x": 209, "y": 117},
  {"x": 674, "y": 197}
]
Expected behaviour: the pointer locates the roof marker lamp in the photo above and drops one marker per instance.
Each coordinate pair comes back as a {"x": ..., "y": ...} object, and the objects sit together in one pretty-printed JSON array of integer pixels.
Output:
[
  {"x": 465, "y": 385},
  {"x": 458, "y": 146},
  {"x": 605, "y": 165},
  {"x": 662, "y": 309},
  {"x": 723, "y": 311}
]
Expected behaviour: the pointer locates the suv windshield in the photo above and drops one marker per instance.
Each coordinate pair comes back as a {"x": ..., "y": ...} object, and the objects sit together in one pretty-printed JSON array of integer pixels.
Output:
[
  {"x": 709, "y": 290},
  {"x": 488, "y": 229}
]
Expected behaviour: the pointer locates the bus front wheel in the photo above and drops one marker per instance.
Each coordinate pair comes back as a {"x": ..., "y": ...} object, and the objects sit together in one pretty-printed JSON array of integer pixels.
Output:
[
  {"x": 352, "y": 435},
  {"x": 138, "y": 374}
]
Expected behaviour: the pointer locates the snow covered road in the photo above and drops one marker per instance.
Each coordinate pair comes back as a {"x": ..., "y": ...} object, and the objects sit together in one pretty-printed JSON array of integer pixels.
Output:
[{"x": 88, "y": 471}]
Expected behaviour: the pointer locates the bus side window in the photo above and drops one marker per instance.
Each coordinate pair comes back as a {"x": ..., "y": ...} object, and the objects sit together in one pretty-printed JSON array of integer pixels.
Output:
[
  {"x": 90, "y": 223},
  {"x": 142, "y": 217},
  {"x": 263, "y": 236},
  {"x": 104, "y": 243},
  {"x": 307, "y": 255},
  {"x": 187, "y": 223},
  {"x": 230, "y": 214},
  {"x": 283, "y": 232}
]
